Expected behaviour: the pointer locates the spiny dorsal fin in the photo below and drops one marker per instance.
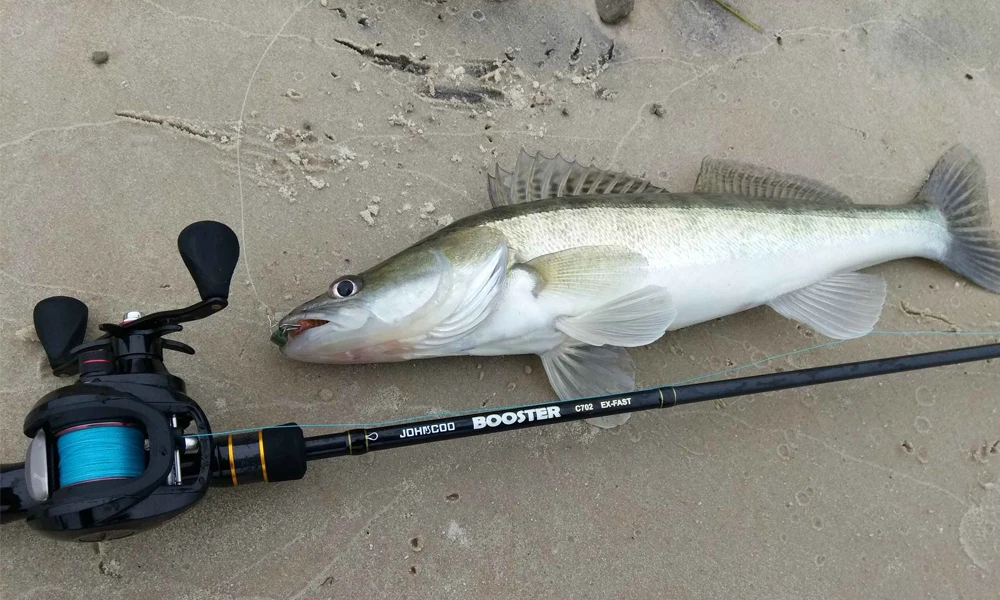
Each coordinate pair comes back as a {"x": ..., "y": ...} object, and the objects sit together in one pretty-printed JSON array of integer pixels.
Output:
[
  {"x": 723, "y": 176},
  {"x": 538, "y": 177}
]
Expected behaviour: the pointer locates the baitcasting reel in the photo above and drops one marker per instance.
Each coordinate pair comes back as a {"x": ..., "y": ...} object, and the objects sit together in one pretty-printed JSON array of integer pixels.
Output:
[{"x": 124, "y": 448}]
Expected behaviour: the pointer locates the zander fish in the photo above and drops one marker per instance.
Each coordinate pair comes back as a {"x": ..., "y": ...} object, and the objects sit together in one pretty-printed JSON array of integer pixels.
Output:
[{"x": 576, "y": 264}]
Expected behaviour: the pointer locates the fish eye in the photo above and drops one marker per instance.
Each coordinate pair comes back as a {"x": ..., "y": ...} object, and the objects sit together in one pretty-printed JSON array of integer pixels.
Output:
[{"x": 345, "y": 287}]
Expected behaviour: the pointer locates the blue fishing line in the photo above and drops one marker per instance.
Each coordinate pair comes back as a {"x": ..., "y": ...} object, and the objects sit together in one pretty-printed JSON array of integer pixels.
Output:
[
  {"x": 100, "y": 452},
  {"x": 537, "y": 404}
]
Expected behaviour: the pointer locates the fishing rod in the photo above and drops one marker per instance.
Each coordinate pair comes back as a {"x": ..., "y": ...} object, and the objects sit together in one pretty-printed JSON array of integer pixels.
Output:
[{"x": 124, "y": 449}]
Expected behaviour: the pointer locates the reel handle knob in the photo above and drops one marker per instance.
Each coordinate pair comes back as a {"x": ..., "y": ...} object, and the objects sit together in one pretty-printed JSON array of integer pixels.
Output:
[
  {"x": 210, "y": 251},
  {"x": 61, "y": 324}
]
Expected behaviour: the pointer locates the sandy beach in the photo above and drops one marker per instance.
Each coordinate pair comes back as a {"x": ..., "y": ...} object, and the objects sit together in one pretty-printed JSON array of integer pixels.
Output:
[{"x": 330, "y": 135}]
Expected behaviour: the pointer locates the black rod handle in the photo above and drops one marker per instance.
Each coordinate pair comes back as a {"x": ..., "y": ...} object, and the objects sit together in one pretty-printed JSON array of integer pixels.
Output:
[
  {"x": 210, "y": 251},
  {"x": 268, "y": 455}
]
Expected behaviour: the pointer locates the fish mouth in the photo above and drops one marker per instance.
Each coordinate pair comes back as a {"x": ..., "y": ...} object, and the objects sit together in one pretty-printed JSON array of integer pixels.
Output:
[{"x": 288, "y": 331}]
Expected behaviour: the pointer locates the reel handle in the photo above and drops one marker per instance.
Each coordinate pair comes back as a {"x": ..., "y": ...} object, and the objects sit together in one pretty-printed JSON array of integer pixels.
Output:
[
  {"x": 210, "y": 251},
  {"x": 61, "y": 324}
]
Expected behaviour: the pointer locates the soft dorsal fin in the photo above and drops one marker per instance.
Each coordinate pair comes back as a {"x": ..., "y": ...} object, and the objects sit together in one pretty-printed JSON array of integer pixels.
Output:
[
  {"x": 538, "y": 177},
  {"x": 724, "y": 176}
]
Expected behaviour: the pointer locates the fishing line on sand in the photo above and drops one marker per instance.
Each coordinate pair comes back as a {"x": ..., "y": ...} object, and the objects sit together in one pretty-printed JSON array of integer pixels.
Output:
[{"x": 730, "y": 370}]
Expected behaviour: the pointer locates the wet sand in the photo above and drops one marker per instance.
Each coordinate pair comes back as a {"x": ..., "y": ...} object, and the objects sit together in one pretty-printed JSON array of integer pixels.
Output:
[{"x": 329, "y": 137}]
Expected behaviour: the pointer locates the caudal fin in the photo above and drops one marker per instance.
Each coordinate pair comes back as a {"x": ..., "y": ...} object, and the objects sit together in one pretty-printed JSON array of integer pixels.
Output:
[{"x": 957, "y": 188}]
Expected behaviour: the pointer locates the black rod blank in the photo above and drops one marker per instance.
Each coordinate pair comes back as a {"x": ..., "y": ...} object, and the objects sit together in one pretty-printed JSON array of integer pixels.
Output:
[{"x": 360, "y": 441}]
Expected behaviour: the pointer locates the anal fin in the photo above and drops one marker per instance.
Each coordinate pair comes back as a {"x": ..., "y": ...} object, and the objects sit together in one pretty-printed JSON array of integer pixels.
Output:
[{"x": 844, "y": 306}]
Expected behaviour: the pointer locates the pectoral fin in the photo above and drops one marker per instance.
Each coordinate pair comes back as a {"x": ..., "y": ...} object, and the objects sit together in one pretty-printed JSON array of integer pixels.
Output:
[
  {"x": 635, "y": 319},
  {"x": 724, "y": 176},
  {"x": 844, "y": 306},
  {"x": 588, "y": 371},
  {"x": 608, "y": 282}
]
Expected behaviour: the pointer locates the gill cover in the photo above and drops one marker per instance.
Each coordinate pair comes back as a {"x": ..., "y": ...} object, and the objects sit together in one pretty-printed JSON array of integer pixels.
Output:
[
  {"x": 474, "y": 269},
  {"x": 413, "y": 304}
]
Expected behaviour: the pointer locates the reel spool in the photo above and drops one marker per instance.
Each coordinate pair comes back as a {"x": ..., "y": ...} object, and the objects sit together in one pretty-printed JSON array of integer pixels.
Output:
[
  {"x": 100, "y": 452},
  {"x": 86, "y": 453}
]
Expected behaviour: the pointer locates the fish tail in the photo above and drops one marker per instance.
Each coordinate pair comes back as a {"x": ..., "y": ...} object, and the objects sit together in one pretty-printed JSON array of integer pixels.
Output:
[{"x": 957, "y": 188}]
